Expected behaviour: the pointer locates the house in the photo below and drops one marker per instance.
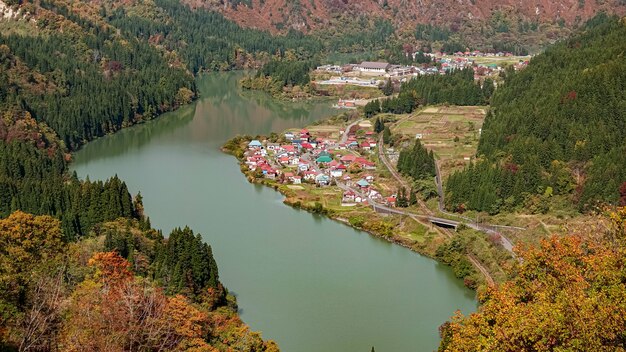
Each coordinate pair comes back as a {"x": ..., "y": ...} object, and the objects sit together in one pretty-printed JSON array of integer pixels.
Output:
[
  {"x": 271, "y": 174},
  {"x": 273, "y": 146},
  {"x": 333, "y": 164},
  {"x": 348, "y": 197},
  {"x": 336, "y": 173},
  {"x": 324, "y": 159},
  {"x": 391, "y": 201},
  {"x": 294, "y": 161},
  {"x": 322, "y": 180},
  {"x": 297, "y": 180},
  {"x": 254, "y": 144},
  {"x": 373, "y": 194},
  {"x": 309, "y": 175},
  {"x": 289, "y": 149},
  {"x": 303, "y": 167},
  {"x": 307, "y": 146},
  {"x": 289, "y": 135},
  {"x": 323, "y": 153},
  {"x": 363, "y": 184},
  {"x": 373, "y": 67},
  {"x": 365, "y": 164},
  {"x": 284, "y": 160},
  {"x": 365, "y": 146},
  {"x": 368, "y": 178},
  {"x": 348, "y": 159}
]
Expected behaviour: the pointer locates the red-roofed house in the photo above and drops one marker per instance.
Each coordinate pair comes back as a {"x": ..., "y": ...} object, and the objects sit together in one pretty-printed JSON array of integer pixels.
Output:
[{"x": 348, "y": 158}]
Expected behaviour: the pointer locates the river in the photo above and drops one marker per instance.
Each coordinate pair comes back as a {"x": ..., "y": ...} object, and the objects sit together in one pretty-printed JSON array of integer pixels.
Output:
[{"x": 309, "y": 283}]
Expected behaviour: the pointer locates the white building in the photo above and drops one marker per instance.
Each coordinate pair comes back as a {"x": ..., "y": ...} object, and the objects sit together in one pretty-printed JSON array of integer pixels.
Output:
[{"x": 374, "y": 67}]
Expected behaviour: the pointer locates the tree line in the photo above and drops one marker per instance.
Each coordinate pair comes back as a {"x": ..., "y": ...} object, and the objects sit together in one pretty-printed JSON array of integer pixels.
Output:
[{"x": 456, "y": 87}]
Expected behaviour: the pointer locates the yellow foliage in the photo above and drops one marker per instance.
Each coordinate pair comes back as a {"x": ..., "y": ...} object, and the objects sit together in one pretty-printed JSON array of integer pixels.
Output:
[{"x": 569, "y": 295}]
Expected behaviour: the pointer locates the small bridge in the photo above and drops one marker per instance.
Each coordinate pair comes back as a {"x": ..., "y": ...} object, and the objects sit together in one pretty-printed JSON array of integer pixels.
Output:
[{"x": 445, "y": 223}]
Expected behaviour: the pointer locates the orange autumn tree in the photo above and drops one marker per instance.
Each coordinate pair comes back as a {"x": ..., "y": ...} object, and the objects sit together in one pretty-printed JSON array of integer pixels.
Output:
[
  {"x": 569, "y": 294},
  {"x": 115, "y": 311}
]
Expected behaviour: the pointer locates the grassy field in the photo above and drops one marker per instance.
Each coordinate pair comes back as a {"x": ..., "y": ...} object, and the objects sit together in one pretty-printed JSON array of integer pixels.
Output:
[{"x": 451, "y": 132}]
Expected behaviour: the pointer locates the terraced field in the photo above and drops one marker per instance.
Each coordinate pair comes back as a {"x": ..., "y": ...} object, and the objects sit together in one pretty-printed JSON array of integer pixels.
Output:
[{"x": 451, "y": 132}]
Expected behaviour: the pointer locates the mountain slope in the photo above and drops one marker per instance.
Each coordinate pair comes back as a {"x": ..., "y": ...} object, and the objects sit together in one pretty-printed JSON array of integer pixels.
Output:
[
  {"x": 308, "y": 15},
  {"x": 555, "y": 128}
]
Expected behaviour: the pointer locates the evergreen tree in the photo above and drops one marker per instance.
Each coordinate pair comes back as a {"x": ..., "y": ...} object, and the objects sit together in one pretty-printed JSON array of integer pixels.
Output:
[
  {"x": 412, "y": 197},
  {"x": 401, "y": 199},
  {"x": 386, "y": 135},
  {"x": 417, "y": 162},
  {"x": 379, "y": 126}
]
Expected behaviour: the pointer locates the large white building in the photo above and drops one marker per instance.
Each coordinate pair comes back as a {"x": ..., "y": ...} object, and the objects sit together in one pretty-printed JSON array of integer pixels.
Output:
[{"x": 374, "y": 67}]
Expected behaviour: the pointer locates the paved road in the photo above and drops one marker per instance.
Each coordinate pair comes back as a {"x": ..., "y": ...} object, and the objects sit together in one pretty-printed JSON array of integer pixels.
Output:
[{"x": 344, "y": 136}]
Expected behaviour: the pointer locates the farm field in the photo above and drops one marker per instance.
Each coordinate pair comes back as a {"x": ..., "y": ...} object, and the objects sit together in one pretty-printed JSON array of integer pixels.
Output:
[{"x": 451, "y": 132}]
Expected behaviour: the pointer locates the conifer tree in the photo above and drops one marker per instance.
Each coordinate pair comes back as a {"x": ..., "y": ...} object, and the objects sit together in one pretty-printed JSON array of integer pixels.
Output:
[{"x": 386, "y": 135}]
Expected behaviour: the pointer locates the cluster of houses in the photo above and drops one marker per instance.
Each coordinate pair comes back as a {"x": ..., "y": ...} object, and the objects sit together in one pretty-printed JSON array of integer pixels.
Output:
[
  {"x": 304, "y": 158},
  {"x": 441, "y": 64}
]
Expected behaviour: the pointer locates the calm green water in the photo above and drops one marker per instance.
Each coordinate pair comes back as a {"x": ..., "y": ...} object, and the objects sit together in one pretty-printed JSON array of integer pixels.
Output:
[{"x": 311, "y": 284}]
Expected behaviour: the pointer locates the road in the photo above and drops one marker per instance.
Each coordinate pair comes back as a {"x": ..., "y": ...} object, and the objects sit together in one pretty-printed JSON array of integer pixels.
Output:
[
  {"x": 382, "y": 208},
  {"x": 486, "y": 228},
  {"x": 344, "y": 136}
]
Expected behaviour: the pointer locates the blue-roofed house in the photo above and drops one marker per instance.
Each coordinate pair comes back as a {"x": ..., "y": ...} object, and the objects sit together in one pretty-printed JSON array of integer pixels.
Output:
[
  {"x": 324, "y": 159},
  {"x": 363, "y": 184},
  {"x": 254, "y": 144},
  {"x": 322, "y": 179}
]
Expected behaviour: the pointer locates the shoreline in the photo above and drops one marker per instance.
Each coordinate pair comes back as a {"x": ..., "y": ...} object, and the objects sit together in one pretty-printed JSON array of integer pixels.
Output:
[{"x": 297, "y": 203}]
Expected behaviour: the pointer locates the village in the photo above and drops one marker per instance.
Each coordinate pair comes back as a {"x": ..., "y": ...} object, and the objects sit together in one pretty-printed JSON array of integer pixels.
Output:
[
  {"x": 484, "y": 65},
  {"x": 322, "y": 161}
]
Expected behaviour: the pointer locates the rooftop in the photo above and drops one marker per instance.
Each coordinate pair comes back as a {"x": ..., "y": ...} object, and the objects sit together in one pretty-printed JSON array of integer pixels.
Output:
[{"x": 375, "y": 65}]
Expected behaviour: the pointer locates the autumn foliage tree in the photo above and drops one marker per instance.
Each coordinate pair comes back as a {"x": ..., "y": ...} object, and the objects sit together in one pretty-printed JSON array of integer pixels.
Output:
[
  {"x": 567, "y": 294},
  {"x": 30, "y": 292},
  {"x": 113, "y": 310}
]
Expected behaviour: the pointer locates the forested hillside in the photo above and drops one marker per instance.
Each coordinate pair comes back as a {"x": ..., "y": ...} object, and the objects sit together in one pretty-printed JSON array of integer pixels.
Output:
[
  {"x": 80, "y": 266},
  {"x": 105, "y": 291},
  {"x": 556, "y": 128},
  {"x": 516, "y": 26}
]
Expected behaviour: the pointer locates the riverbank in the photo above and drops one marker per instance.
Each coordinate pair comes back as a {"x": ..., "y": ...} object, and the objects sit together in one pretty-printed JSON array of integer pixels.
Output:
[
  {"x": 351, "y": 185},
  {"x": 316, "y": 90}
]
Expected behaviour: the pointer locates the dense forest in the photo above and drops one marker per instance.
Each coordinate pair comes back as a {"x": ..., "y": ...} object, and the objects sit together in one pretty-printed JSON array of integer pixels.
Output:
[
  {"x": 278, "y": 75},
  {"x": 555, "y": 128},
  {"x": 204, "y": 39},
  {"x": 89, "y": 82},
  {"x": 70, "y": 247},
  {"x": 417, "y": 162}
]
